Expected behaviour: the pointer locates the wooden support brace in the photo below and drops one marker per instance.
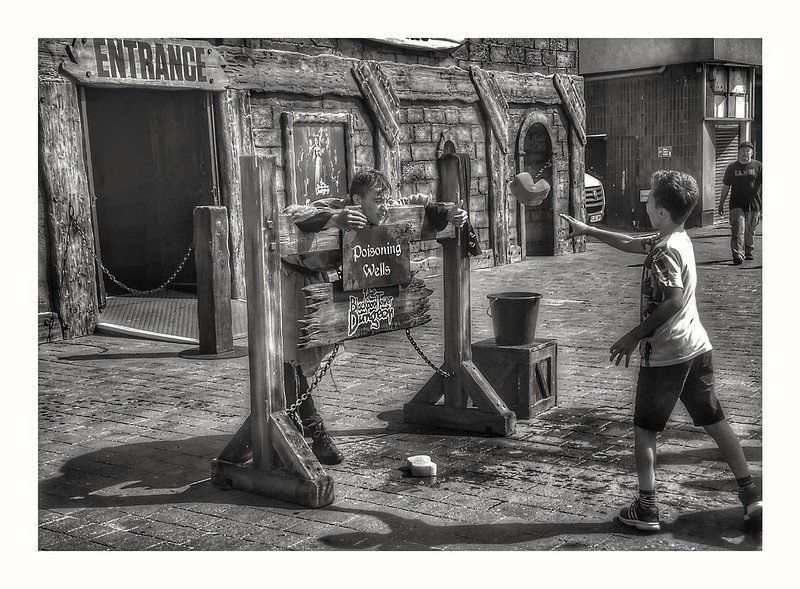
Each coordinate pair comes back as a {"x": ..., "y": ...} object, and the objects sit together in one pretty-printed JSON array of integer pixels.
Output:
[
  {"x": 282, "y": 465},
  {"x": 491, "y": 415}
]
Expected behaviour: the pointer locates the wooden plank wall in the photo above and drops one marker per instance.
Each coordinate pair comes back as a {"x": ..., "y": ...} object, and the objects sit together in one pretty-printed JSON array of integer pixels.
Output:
[{"x": 63, "y": 177}]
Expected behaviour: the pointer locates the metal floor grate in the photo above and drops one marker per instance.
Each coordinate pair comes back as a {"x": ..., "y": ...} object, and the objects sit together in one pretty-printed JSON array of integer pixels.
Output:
[{"x": 165, "y": 316}]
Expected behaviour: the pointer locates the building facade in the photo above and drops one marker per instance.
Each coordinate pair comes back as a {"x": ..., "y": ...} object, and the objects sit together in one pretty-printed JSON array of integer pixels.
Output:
[
  {"x": 668, "y": 103},
  {"x": 135, "y": 133}
]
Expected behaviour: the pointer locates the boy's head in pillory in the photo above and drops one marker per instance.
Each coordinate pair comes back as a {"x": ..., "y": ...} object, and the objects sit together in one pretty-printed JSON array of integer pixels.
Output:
[
  {"x": 673, "y": 194},
  {"x": 372, "y": 191}
]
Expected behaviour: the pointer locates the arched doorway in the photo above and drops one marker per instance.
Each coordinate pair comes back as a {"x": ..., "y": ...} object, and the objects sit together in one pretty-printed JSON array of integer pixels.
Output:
[{"x": 535, "y": 156}]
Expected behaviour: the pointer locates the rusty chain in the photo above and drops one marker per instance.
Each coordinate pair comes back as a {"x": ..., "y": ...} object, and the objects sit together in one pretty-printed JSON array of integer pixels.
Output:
[
  {"x": 292, "y": 410},
  {"x": 422, "y": 355},
  {"x": 116, "y": 281}
]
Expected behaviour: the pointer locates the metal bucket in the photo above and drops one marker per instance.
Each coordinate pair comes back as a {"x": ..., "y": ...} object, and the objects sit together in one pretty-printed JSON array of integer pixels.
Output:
[{"x": 514, "y": 316}]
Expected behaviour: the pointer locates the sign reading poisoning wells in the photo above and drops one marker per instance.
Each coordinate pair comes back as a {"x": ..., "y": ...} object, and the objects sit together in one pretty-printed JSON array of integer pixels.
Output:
[
  {"x": 145, "y": 63},
  {"x": 376, "y": 256}
]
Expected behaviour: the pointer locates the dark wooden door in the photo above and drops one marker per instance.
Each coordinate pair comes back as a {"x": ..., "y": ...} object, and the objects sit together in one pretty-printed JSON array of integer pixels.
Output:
[
  {"x": 622, "y": 184},
  {"x": 152, "y": 164}
]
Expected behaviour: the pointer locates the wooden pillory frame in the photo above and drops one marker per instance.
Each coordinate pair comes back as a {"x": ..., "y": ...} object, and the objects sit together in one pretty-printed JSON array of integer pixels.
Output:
[{"x": 282, "y": 464}]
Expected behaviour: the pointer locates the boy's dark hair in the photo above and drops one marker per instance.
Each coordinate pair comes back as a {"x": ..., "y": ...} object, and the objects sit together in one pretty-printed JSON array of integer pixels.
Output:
[
  {"x": 367, "y": 180},
  {"x": 674, "y": 191}
]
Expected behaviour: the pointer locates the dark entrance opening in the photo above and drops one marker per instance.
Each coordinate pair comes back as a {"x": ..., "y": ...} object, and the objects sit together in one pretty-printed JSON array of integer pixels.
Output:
[
  {"x": 538, "y": 161},
  {"x": 152, "y": 162},
  {"x": 595, "y": 154}
]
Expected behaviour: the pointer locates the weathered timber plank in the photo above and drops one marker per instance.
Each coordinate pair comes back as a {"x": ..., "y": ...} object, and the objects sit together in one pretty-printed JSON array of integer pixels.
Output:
[
  {"x": 315, "y": 493},
  {"x": 493, "y": 104},
  {"x": 68, "y": 208},
  {"x": 528, "y": 88},
  {"x": 431, "y": 391},
  {"x": 230, "y": 144},
  {"x": 329, "y": 319},
  {"x": 265, "y": 340},
  {"x": 577, "y": 193},
  {"x": 51, "y": 53},
  {"x": 481, "y": 392},
  {"x": 212, "y": 259},
  {"x": 498, "y": 198},
  {"x": 465, "y": 419},
  {"x": 270, "y": 70},
  {"x": 238, "y": 448},
  {"x": 380, "y": 97},
  {"x": 573, "y": 104},
  {"x": 171, "y": 64},
  {"x": 294, "y": 241},
  {"x": 292, "y": 448}
]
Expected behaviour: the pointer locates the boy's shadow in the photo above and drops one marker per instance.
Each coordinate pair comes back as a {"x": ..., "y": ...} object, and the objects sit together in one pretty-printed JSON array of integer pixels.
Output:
[{"x": 716, "y": 529}]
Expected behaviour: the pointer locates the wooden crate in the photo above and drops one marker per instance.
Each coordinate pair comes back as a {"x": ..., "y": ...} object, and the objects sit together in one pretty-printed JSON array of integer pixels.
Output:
[{"x": 524, "y": 376}]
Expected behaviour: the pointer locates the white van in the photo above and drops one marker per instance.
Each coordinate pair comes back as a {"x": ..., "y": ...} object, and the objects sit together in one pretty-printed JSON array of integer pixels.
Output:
[{"x": 595, "y": 199}]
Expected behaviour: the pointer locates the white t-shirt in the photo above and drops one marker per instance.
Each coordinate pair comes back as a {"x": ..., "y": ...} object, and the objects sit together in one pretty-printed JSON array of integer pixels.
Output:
[{"x": 670, "y": 262}]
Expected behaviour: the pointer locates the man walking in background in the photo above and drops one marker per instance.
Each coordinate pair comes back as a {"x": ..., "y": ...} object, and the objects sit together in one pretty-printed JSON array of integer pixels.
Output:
[{"x": 743, "y": 180}]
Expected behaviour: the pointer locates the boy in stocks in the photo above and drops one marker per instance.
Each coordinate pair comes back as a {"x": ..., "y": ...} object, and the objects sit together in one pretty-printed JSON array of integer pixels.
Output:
[
  {"x": 675, "y": 349},
  {"x": 372, "y": 191}
]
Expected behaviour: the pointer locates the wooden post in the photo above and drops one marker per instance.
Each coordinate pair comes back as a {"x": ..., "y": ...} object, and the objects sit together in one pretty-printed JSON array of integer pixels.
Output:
[
  {"x": 213, "y": 279},
  {"x": 68, "y": 208},
  {"x": 466, "y": 382},
  {"x": 282, "y": 464},
  {"x": 262, "y": 276}
]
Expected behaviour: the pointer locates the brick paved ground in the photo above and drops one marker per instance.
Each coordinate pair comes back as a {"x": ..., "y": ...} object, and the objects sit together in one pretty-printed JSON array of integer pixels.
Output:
[{"x": 127, "y": 429}]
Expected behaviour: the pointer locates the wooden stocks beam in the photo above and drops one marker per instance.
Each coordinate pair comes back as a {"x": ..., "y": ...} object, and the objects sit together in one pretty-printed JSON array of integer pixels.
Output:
[
  {"x": 262, "y": 276},
  {"x": 491, "y": 415},
  {"x": 283, "y": 466}
]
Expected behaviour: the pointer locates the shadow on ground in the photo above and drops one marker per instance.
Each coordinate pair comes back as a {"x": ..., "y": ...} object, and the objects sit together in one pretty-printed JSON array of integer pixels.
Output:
[{"x": 716, "y": 529}]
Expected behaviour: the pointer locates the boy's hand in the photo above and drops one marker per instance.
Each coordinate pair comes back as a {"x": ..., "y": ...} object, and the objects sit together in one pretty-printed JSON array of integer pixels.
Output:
[
  {"x": 348, "y": 219},
  {"x": 624, "y": 346},
  {"x": 457, "y": 216},
  {"x": 576, "y": 227}
]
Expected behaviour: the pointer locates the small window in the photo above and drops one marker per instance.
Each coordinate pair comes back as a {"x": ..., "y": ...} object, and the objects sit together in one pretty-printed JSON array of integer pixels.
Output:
[{"x": 728, "y": 92}]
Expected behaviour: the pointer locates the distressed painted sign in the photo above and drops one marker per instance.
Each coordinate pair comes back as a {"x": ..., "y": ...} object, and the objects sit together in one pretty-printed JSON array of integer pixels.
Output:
[
  {"x": 333, "y": 315},
  {"x": 152, "y": 63},
  {"x": 376, "y": 256},
  {"x": 372, "y": 309}
]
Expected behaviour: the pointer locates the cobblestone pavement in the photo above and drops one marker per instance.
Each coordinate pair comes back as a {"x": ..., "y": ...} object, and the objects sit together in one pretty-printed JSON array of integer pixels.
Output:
[{"x": 127, "y": 429}]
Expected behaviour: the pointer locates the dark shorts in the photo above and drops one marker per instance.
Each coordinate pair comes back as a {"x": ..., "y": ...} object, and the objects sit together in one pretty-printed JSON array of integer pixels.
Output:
[{"x": 660, "y": 387}]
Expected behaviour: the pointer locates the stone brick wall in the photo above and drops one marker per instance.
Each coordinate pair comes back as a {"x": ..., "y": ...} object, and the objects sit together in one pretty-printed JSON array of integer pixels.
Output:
[
  {"x": 544, "y": 56},
  {"x": 639, "y": 114}
]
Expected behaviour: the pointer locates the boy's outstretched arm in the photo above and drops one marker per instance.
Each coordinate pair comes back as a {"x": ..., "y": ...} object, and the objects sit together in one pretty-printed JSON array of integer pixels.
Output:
[
  {"x": 624, "y": 346},
  {"x": 625, "y": 243}
]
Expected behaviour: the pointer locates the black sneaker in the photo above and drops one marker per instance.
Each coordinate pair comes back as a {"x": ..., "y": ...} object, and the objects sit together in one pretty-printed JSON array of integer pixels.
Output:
[
  {"x": 323, "y": 447},
  {"x": 749, "y": 257},
  {"x": 639, "y": 517},
  {"x": 737, "y": 260},
  {"x": 751, "y": 501}
]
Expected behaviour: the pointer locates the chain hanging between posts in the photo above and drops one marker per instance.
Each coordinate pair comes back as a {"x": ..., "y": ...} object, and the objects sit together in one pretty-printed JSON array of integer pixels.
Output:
[
  {"x": 422, "y": 355},
  {"x": 292, "y": 410},
  {"x": 106, "y": 271}
]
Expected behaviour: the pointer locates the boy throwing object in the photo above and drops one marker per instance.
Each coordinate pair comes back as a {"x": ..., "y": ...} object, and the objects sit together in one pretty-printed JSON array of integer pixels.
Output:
[{"x": 674, "y": 347}]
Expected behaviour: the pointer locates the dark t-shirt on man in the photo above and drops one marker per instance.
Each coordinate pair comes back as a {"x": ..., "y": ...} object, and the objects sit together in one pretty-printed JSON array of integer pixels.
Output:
[{"x": 745, "y": 183}]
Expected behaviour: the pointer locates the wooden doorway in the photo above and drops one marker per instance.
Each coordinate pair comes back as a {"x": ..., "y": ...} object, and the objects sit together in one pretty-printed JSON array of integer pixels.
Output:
[{"x": 152, "y": 160}]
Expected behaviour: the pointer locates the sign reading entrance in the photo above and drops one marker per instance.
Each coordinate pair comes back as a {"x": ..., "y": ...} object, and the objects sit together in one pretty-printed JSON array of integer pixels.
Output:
[
  {"x": 152, "y": 63},
  {"x": 376, "y": 256}
]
